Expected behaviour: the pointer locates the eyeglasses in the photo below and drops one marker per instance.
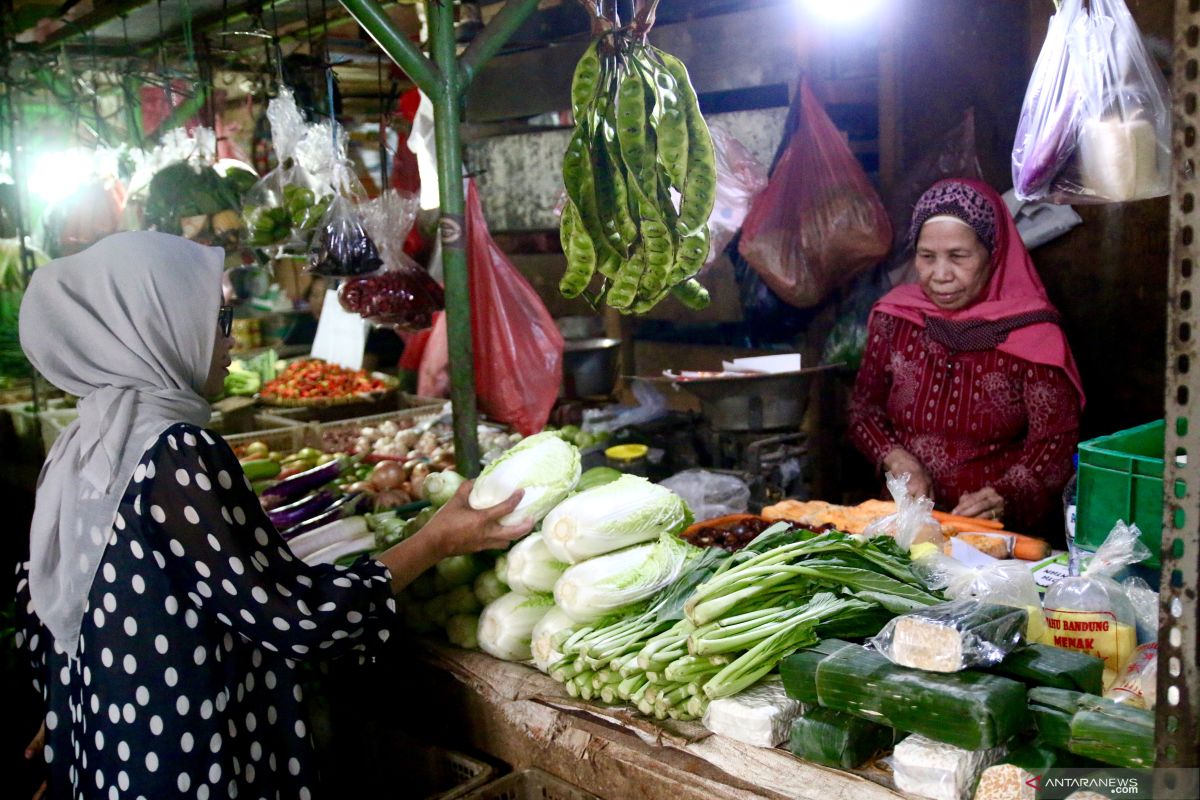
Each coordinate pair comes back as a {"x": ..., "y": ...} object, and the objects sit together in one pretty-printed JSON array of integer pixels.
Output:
[{"x": 225, "y": 320}]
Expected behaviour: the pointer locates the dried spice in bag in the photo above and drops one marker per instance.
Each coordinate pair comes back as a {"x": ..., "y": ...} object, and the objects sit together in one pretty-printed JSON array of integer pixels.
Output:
[{"x": 403, "y": 295}]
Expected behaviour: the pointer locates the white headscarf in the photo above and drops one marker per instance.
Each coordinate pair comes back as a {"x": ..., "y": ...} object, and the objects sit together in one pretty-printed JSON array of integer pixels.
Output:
[{"x": 129, "y": 327}]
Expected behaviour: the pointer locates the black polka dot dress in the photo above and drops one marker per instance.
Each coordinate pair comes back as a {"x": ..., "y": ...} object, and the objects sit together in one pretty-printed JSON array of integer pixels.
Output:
[{"x": 185, "y": 683}]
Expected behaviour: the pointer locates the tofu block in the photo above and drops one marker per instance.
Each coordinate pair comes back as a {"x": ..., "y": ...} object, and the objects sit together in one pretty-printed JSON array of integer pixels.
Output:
[
  {"x": 761, "y": 715},
  {"x": 940, "y": 771}
]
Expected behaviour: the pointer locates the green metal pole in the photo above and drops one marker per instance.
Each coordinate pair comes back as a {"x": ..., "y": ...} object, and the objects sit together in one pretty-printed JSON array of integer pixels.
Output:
[
  {"x": 445, "y": 81},
  {"x": 489, "y": 41},
  {"x": 375, "y": 21},
  {"x": 447, "y": 109}
]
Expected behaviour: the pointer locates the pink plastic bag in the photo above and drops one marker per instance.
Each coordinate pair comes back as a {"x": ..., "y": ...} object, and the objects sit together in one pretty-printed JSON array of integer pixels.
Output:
[
  {"x": 819, "y": 223},
  {"x": 740, "y": 177},
  {"x": 518, "y": 348}
]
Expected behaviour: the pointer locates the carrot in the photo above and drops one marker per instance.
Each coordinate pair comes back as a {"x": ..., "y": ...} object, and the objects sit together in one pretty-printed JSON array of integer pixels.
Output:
[
  {"x": 1030, "y": 548},
  {"x": 968, "y": 523}
]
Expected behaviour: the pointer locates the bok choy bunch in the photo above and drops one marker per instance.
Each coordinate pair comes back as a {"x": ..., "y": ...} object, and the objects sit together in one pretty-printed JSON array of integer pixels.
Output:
[
  {"x": 544, "y": 466},
  {"x": 628, "y": 511},
  {"x": 600, "y": 586}
]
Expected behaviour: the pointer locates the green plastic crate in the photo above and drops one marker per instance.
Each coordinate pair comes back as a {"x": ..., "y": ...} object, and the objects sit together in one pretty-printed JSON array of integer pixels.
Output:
[{"x": 1121, "y": 478}]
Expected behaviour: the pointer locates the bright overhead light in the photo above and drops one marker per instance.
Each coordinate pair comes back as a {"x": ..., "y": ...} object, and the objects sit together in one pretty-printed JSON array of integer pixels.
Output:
[
  {"x": 55, "y": 175},
  {"x": 841, "y": 11}
]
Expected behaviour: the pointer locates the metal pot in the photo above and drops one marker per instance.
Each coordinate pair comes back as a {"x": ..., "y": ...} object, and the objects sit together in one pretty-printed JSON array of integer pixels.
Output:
[
  {"x": 590, "y": 367},
  {"x": 754, "y": 402}
]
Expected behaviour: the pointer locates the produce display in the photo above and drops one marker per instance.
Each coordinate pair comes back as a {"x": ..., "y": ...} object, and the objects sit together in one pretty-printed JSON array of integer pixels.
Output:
[
  {"x": 611, "y": 597},
  {"x": 196, "y": 202},
  {"x": 311, "y": 381},
  {"x": 638, "y": 137},
  {"x": 246, "y": 378}
]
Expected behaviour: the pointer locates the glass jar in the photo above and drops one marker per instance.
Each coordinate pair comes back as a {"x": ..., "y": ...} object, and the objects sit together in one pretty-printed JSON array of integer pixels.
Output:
[{"x": 628, "y": 458}]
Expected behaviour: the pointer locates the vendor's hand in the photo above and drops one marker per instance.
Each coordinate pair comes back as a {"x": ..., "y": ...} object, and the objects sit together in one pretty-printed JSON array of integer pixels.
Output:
[
  {"x": 900, "y": 461},
  {"x": 458, "y": 529},
  {"x": 34, "y": 751},
  {"x": 984, "y": 504}
]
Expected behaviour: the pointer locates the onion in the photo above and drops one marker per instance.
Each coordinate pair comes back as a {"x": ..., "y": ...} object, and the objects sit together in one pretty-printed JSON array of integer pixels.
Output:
[
  {"x": 391, "y": 499},
  {"x": 417, "y": 478},
  {"x": 388, "y": 475},
  {"x": 361, "y": 486}
]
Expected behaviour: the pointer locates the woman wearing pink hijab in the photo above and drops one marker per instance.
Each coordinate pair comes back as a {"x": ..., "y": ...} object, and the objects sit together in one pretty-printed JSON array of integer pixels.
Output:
[{"x": 967, "y": 382}]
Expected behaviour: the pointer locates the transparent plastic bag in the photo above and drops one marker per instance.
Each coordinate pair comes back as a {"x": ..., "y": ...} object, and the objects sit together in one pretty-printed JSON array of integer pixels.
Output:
[
  {"x": 651, "y": 405},
  {"x": 1007, "y": 583},
  {"x": 1137, "y": 685},
  {"x": 1095, "y": 125},
  {"x": 710, "y": 494},
  {"x": 953, "y": 636},
  {"x": 402, "y": 295},
  {"x": 819, "y": 222},
  {"x": 341, "y": 247},
  {"x": 913, "y": 522},
  {"x": 740, "y": 177},
  {"x": 287, "y": 202},
  {"x": 1091, "y": 612},
  {"x": 1145, "y": 607}
]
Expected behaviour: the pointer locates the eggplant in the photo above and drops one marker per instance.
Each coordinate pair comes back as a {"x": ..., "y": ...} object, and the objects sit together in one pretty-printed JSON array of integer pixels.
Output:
[
  {"x": 304, "y": 482},
  {"x": 340, "y": 508},
  {"x": 308, "y": 506}
]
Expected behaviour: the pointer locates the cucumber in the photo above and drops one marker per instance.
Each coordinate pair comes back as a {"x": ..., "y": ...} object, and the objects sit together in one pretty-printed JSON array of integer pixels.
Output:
[{"x": 261, "y": 469}]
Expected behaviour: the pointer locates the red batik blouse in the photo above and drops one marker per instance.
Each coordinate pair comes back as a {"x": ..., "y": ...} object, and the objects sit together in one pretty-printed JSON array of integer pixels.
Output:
[{"x": 974, "y": 419}]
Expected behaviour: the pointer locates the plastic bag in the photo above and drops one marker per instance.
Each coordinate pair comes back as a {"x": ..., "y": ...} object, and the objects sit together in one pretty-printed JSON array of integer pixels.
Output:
[
  {"x": 819, "y": 222},
  {"x": 1095, "y": 125},
  {"x": 740, "y": 177},
  {"x": 286, "y": 203},
  {"x": 1145, "y": 608},
  {"x": 1137, "y": 685},
  {"x": 1091, "y": 612},
  {"x": 402, "y": 295},
  {"x": 341, "y": 247},
  {"x": 518, "y": 348},
  {"x": 913, "y": 522},
  {"x": 710, "y": 494},
  {"x": 953, "y": 636},
  {"x": 1006, "y": 583},
  {"x": 651, "y": 406}
]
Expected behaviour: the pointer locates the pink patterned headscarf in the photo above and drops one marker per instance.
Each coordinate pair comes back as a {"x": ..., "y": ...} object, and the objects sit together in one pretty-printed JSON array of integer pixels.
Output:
[{"x": 1014, "y": 291}]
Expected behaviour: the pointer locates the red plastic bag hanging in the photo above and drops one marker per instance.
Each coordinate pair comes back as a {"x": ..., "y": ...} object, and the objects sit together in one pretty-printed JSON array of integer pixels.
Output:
[
  {"x": 518, "y": 348},
  {"x": 819, "y": 223}
]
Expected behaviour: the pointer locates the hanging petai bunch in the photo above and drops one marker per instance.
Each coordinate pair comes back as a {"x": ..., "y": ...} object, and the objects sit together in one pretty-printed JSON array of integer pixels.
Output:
[{"x": 638, "y": 136}]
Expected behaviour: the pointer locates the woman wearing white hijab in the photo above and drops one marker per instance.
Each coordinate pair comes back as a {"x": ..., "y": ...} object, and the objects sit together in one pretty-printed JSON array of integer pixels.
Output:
[{"x": 166, "y": 614}]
